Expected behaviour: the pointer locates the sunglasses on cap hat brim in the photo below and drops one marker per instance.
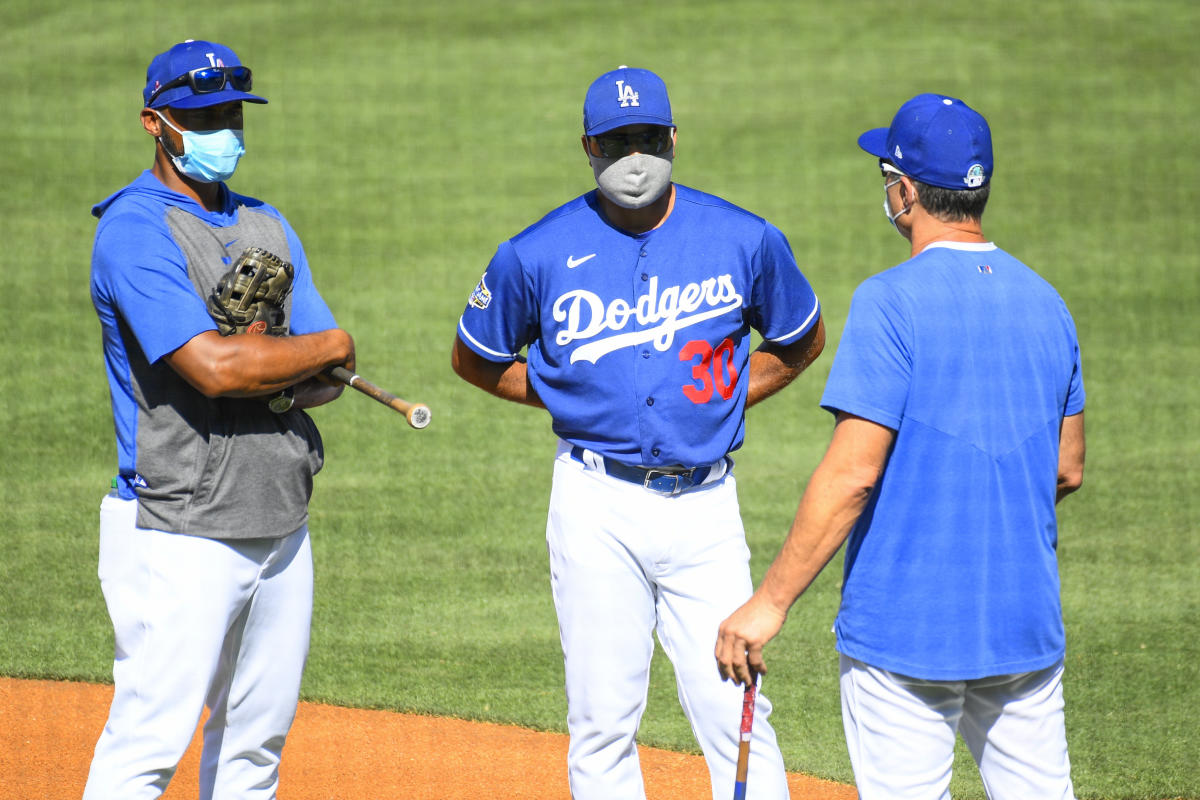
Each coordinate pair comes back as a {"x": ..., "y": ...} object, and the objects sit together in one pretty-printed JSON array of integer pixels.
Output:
[{"x": 207, "y": 80}]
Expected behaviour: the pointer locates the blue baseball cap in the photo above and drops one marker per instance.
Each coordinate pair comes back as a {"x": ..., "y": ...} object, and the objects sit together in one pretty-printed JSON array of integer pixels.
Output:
[
  {"x": 938, "y": 140},
  {"x": 182, "y": 59},
  {"x": 625, "y": 96}
]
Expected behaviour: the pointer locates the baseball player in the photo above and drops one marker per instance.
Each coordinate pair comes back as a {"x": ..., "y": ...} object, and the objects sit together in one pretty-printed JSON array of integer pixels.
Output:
[
  {"x": 636, "y": 301},
  {"x": 205, "y": 561},
  {"x": 959, "y": 399}
]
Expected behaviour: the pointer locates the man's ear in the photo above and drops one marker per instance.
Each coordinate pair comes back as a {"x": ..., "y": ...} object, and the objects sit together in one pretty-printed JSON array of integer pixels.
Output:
[{"x": 151, "y": 123}]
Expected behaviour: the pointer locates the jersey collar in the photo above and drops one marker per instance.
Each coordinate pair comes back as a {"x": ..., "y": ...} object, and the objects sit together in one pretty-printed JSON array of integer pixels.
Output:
[{"x": 974, "y": 247}]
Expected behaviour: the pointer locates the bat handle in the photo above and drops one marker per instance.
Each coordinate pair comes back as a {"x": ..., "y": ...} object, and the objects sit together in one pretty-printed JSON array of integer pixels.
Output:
[{"x": 747, "y": 723}]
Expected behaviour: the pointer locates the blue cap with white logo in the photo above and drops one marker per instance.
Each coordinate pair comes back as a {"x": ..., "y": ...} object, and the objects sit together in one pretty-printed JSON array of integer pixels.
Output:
[
  {"x": 625, "y": 96},
  {"x": 168, "y": 68},
  {"x": 937, "y": 140}
]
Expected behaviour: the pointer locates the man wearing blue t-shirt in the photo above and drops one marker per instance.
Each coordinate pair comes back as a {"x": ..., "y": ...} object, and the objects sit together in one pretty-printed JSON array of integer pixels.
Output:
[
  {"x": 205, "y": 561},
  {"x": 959, "y": 399},
  {"x": 636, "y": 302}
]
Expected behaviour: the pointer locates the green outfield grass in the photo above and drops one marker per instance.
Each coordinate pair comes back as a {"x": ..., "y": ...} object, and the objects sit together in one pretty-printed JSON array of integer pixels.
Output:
[{"x": 405, "y": 140}]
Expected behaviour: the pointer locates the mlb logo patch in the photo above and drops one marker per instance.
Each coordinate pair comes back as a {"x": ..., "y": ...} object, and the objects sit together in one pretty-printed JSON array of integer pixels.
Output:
[
  {"x": 984, "y": 269},
  {"x": 974, "y": 177},
  {"x": 481, "y": 298}
]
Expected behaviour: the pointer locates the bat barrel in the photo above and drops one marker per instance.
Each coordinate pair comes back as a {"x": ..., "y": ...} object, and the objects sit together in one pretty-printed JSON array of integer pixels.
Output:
[{"x": 417, "y": 414}]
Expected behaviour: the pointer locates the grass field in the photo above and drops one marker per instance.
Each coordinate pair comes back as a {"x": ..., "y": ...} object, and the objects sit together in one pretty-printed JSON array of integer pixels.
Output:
[{"x": 405, "y": 140}]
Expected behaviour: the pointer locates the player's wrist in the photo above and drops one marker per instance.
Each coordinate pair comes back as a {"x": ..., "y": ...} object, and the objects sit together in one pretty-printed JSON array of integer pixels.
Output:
[
  {"x": 341, "y": 349},
  {"x": 773, "y": 599}
]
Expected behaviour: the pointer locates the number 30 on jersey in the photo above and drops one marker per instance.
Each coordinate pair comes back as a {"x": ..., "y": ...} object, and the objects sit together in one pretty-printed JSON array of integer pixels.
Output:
[{"x": 713, "y": 371}]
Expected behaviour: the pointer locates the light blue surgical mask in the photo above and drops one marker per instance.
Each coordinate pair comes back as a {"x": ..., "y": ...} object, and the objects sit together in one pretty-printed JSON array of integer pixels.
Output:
[{"x": 208, "y": 156}]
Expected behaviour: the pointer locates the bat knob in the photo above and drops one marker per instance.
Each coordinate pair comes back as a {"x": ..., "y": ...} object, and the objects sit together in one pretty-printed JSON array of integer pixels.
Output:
[{"x": 419, "y": 416}]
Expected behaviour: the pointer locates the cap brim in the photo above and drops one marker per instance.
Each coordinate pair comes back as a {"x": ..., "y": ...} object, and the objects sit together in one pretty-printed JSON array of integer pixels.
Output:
[
  {"x": 210, "y": 99},
  {"x": 874, "y": 142},
  {"x": 622, "y": 121}
]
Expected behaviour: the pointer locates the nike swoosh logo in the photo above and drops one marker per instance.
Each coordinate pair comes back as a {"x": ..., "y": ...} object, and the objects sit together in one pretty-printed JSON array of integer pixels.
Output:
[
  {"x": 573, "y": 262},
  {"x": 231, "y": 241}
]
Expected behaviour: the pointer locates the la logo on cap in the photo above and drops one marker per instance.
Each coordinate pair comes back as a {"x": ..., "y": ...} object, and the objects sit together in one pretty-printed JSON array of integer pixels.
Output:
[{"x": 626, "y": 95}]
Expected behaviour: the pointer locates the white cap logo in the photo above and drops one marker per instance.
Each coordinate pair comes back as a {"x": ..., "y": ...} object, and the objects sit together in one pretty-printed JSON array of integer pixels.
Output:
[
  {"x": 898, "y": 154},
  {"x": 626, "y": 95}
]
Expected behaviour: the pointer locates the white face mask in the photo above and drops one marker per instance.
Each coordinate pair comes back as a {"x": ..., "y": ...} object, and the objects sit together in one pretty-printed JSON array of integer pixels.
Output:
[
  {"x": 208, "y": 156},
  {"x": 635, "y": 180},
  {"x": 887, "y": 209}
]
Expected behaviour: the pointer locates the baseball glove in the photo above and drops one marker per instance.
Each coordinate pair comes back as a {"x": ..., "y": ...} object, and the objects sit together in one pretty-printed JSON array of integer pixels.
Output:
[{"x": 249, "y": 298}]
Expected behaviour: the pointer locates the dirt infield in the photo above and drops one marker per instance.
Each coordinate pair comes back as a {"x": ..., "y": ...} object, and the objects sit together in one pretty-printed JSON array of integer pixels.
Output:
[{"x": 48, "y": 730}]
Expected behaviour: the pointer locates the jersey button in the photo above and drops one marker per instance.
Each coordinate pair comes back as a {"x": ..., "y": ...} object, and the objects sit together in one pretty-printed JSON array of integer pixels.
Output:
[
  {"x": 645, "y": 277},
  {"x": 642, "y": 254},
  {"x": 645, "y": 354},
  {"x": 654, "y": 452},
  {"x": 649, "y": 401}
]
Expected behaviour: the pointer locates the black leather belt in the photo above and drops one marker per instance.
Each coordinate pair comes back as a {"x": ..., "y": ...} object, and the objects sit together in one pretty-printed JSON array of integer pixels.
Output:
[{"x": 662, "y": 480}]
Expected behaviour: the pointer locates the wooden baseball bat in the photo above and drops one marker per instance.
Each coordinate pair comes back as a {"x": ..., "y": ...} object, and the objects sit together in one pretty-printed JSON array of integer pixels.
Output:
[
  {"x": 417, "y": 414},
  {"x": 743, "y": 762}
]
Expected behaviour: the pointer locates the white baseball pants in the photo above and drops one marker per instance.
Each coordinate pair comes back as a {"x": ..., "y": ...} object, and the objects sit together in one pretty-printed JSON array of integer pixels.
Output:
[
  {"x": 626, "y": 563},
  {"x": 222, "y": 623},
  {"x": 900, "y": 732}
]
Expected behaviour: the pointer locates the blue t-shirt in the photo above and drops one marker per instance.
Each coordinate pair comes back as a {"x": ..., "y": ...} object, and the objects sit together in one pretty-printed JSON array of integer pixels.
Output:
[
  {"x": 639, "y": 343},
  {"x": 973, "y": 359}
]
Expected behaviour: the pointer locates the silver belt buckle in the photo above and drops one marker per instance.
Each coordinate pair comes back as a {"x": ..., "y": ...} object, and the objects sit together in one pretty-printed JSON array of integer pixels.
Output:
[{"x": 655, "y": 476}]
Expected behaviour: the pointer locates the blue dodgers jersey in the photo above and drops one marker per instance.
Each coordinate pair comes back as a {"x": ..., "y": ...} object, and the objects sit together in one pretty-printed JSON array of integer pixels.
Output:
[
  {"x": 972, "y": 358},
  {"x": 638, "y": 344}
]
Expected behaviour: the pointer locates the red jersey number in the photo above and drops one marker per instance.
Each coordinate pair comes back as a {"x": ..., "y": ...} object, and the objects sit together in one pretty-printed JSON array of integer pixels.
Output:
[{"x": 714, "y": 370}]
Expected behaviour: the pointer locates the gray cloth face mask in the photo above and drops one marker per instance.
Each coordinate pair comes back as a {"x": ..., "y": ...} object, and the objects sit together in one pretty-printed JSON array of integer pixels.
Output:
[{"x": 635, "y": 180}]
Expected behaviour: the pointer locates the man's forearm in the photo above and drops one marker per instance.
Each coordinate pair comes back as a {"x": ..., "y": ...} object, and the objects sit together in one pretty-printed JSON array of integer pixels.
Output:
[
  {"x": 507, "y": 380},
  {"x": 314, "y": 392},
  {"x": 834, "y": 499},
  {"x": 247, "y": 365},
  {"x": 287, "y": 360},
  {"x": 773, "y": 367},
  {"x": 830, "y": 506},
  {"x": 511, "y": 382}
]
